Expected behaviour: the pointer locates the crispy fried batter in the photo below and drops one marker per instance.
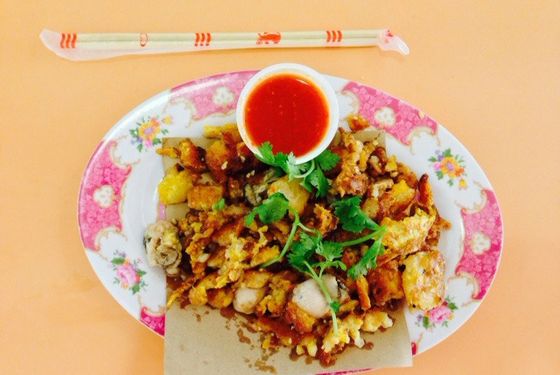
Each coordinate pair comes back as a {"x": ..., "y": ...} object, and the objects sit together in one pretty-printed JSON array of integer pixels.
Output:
[
  {"x": 307, "y": 345},
  {"x": 407, "y": 235},
  {"x": 394, "y": 201},
  {"x": 203, "y": 197},
  {"x": 190, "y": 156},
  {"x": 357, "y": 122},
  {"x": 326, "y": 221},
  {"x": 363, "y": 292},
  {"x": 385, "y": 283},
  {"x": 348, "y": 328},
  {"x": 302, "y": 321},
  {"x": 351, "y": 180},
  {"x": 280, "y": 285},
  {"x": 218, "y": 158},
  {"x": 375, "y": 319},
  {"x": 256, "y": 278},
  {"x": 220, "y": 298},
  {"x": 264, "y": 255}
]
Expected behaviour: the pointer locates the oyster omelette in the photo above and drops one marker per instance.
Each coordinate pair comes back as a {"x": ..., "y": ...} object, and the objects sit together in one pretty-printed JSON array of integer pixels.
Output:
[{"x": 312, "y": 255}]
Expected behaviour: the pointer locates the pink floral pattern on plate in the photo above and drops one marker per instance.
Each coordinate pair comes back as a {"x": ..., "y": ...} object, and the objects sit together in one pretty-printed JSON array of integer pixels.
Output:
[
  {"x": 449, "y": 166},
  {"x": 388, "y": 113},
  {"x": 149, "y": 132},
  {"x": 153, "y": 320},
  {"x": 212, "y": 95},
  {"x": 440, "y": 315},
  {"x": 100, "y": 195},
  {"x": 482, "y": 243},
  {"x": 128, "y": 273}
]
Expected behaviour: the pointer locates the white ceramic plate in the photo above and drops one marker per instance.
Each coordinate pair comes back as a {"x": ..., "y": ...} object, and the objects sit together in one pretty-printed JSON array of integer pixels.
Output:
[{"x": 118, "y": 195}]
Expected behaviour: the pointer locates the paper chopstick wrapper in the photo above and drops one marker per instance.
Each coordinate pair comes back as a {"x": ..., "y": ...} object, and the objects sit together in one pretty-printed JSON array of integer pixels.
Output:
[{"x": 97, "y": 46}]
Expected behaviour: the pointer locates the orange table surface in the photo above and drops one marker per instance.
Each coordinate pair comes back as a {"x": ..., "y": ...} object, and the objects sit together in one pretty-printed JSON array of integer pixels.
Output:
[{"x": 488, "y": 71}]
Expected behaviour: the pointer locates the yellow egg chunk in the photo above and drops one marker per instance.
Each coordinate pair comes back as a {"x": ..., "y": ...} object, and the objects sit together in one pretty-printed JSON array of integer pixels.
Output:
[
  {"x": 174, "y": 187},
  {"x": 423, "y": 279}
]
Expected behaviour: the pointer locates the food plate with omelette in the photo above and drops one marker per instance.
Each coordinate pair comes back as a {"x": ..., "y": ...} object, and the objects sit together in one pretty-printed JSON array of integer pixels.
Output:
[{"x": 392, "y": 212}]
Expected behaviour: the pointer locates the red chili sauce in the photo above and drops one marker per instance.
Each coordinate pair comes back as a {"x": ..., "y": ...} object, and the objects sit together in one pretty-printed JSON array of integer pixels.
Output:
[{"x": 289, "y": 112}]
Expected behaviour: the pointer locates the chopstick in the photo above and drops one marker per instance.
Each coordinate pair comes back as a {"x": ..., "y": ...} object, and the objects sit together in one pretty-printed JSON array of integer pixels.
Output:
[{"x": 96, "y": 46}]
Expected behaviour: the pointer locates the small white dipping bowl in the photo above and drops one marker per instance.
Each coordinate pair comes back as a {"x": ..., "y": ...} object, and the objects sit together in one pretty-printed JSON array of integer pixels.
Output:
[{"x": 308, "y": 74}]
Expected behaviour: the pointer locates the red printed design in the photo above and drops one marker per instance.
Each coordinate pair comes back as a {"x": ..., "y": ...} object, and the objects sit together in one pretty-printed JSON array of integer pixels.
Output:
[
  {"x": 68, "y": 40},
  {"x": 154, "y": 320},
  {"x": 388, "y": 36},
  {"x": 482, "y": 244},
  {"x": 143, "y": 39},
  {"x": 202, "y": 39},
  {"x": 269, "y": 37},
  {"x": 392, "y": 115},
  {"x": 334, "y": 36},
  {"x": 100, "y": 195}
]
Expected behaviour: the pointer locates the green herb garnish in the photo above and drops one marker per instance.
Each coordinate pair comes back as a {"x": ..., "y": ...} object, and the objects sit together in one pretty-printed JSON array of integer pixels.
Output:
[
  {"x": 369, "y": 259},
  {"x": 353, "y": 219},
  {"x": 219, "y": 205},
  {"x": 351, "y": 216},
  {"x": 273, "y": 209},
  {"x": 311, "y": 173},
  {"x": 312, "y": 256}
]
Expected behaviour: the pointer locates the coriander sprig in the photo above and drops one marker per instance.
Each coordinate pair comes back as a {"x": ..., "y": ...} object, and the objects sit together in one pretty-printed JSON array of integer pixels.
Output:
[
  {"x": 303, "y": 257},
  {"x": 351, "y": 216},
  {"x": 310, "y": 173},
  {"x": 353, "y": 219},
  {"x": 369, "y": 259},
  {"x": 273, "y": 209},
  {"x": 311, "y": 254}
]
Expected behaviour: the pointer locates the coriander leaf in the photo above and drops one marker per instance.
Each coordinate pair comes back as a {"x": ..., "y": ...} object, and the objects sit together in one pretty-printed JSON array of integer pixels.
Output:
[
  {"x": 368, "y": 261},
  {"x": 250, "y": 218},
  {"x": 272, "y": 209},
  {"x": 295, "y": 225},
  {"x": 219, "y": 205},
  {"x": 318, "y": 180},
  {"x": 305, "y": 183},
  {"x": 310, "y": 173},
  {"x": 310, "y": 241},
  {"x": 299, "y": 255},
  {"x": 281, "y": 159},
  {"x": 266, "y": 156},
  {"x": 351, "y": 216},
  {"x": 327, "y": 160},
  {"x": 334, "y": 264},
  {"x": 303, "y": 251},
  {"x": 291, "y": 168},
  {"x": 339, "y": 264},
  {"x": 329, "y": 250}
]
